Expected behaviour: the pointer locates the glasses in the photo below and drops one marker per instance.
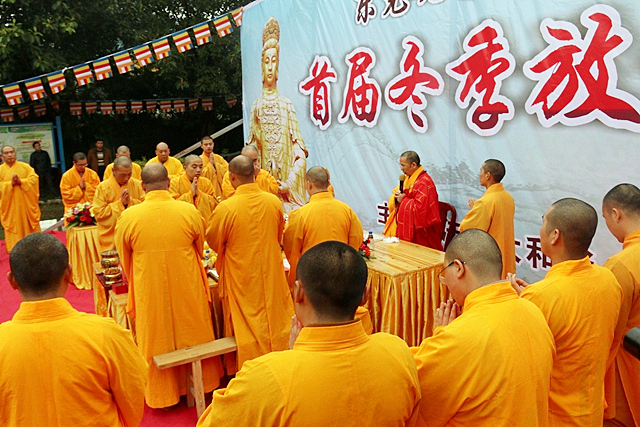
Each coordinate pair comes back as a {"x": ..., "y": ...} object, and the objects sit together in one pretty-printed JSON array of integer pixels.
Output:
[{"x": 441, "y": 274}]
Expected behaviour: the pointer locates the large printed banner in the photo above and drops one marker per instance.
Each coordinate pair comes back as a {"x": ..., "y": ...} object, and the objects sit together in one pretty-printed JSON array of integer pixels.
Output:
[{"x": 550, "y": 88}]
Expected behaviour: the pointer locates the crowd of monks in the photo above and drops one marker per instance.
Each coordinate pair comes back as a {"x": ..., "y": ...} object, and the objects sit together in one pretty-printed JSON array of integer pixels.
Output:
[{"x": 504, "y": 352}]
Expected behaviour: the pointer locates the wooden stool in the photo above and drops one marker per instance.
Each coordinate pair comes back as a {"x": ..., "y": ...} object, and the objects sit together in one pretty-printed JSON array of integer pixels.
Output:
[{"x": 194, "y": 355}]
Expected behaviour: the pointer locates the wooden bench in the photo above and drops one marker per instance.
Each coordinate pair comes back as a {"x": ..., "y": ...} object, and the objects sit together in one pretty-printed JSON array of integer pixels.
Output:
[{"x": 194, "y": 355}]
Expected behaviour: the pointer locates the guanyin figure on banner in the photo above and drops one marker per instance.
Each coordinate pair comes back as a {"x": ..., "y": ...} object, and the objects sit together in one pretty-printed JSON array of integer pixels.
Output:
[{"x": 273, "y": 127}]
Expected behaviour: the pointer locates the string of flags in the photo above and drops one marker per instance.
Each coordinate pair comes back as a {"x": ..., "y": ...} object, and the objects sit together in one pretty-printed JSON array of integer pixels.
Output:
[
  {"x": 108, "y": 107},
  {"x": 103, "y": 68}
]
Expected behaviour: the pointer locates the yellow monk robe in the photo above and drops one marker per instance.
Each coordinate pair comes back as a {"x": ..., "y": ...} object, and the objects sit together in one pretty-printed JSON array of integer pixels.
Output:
[
  {"x": 333, "y": 376},
  {"x": 485, "y": 368},
  {"x": 623, "y": 385},
  {"x": 107, "y": 207},
  {"x": 172, "y": 165},
  {"x": 136, "y": 171},
  {"x": 160, "y": 242},
  {"x": 19, "y": 209},
  {"x": 215, "y": 175},
  {"x": 493, "y": 213},
  {"x": 245, "y": 231},
  {"x": 581, "y": 302},
  {"x": 70, "y": 189},
  {"x": 265, "y": 181},
  {"x": 205, "y": 202},
  {"x": 61, "y": 367}
]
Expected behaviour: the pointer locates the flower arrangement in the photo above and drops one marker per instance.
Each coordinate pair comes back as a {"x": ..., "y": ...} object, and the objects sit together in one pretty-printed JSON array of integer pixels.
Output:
[
  {"x": 80, "y": 215},
  {"x": 365, "y": 250}
]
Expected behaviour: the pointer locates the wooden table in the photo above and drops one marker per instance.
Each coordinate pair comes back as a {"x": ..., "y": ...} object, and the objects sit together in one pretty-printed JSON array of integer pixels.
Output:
[
  {"x": 84, "y": 251},
  {"x": 404, "y": 289}
]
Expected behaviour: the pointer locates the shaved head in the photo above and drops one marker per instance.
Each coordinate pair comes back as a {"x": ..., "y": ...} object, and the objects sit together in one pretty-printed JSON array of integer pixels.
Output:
[
  {"x": 577, "y": 222},
  {"x": 8, "y": 148},
  {"x": 495, "y": 168},
  {"x": 155, "y": 177},
  {"x": 79, "y": 156},
  {"x": 190, "y": 158},
  {"x": 625, "y": 197},
  {"x": 480, "y": 253},
  {"x": 242, "y": 167},
  {"x": 411, "y": 157},
  {"x": 318, "y": 176},
  {"x": 247, "y": 150},
  {"x": 122, "y": 162},
  {"x": 123, "y": 149},
  {"x": 162, "y": 146},
  {"x": 334, "y": 277}
]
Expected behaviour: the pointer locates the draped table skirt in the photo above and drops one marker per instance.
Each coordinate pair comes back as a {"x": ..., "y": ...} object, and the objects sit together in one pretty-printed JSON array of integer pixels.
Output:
[{"x": 84, "y": 251}]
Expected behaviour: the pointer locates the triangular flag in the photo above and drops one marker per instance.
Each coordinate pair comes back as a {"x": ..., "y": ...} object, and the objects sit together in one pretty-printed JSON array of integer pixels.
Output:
[
  {"x": 124, "y": 64},
  {"x": 207, "y": 104},
  {"x": 90, "y": 107},
  {"x": 102, "y": 68},
  {"x": 161, "y": 48},
  {"x": 40, "y": 109},
  {"x": 183, "y": 41},
  {"x": 75, "y": 108},
  {"x": 193, "y": 103},
  {"x": 24, "y": 112},
  {"x": 223, "y": 26},
  {"x": 121, "y": 107},
  {"x": 179, "y": 105},
  {"x": 143, "y": 55},
  {"x": 136, "y": 106},
  {"x": 231, "y": 101},
  {"x": 57, "y": 82},
  {"x": 7, "y": 115},
  {"x": 165, "y": 105},
  {"x": 55, "y": 105},
  {"x": 106, "y": 107},
  {"x": 83, "y": 73},
  {"x": 237, "y": 16},
  {"x": 13, "y": 94},
  {"x": 35, "y": 88},
  {"x": 202, "y": 33},
  {"x": 152, "y": 105}
]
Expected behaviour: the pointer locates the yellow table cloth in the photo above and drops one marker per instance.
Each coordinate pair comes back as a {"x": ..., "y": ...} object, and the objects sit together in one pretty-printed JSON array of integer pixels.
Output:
[
  {"x": 84, "y": 251},
  {"x": 404, "y": 289},
  {"x": 99, "y": 294}
]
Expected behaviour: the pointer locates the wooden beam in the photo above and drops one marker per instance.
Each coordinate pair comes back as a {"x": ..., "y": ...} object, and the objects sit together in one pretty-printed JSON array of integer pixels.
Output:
[{"x": 197, "y": 352}]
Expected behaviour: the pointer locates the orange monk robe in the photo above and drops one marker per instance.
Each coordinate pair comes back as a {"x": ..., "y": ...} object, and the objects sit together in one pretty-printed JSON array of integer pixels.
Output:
[
  {"x": 417, "y": 219},
  {"x": 205, "y": 202},
  {"x": 107, "y": 207},
  {"x": 215, "y": 174},
  {"x": 70, "y": 189},
  {"x": 136, "y": 171},
  {"x": 486, "y": 368},
  {"x": 265, "y": 181},
  {"x": 61, "y": 367},
  {"x": 19, "y": 209},
  {"x": 172, "y": 165},
  {"x": 493, "y": 213},
  {"x": 245, "y": 231},
  {"x": 623, "y": 385},
  {"x": 160, "y": 242},
  {"x": 581, "y": 302},
  {"x": 333, "y": 376}
]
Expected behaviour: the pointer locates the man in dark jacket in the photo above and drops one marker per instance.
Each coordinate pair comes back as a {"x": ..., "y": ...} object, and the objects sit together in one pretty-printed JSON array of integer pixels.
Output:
[
  {"x": 99, "y": 157},
  {"x": 41, "y": 162}
]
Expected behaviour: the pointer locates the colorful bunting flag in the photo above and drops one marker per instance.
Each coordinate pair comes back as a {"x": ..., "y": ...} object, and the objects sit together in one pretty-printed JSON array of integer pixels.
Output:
[
  {"x": 202, "y": 33},
  {"x": 102, "y": 68},
  {"x": 75, "y": 108},
  {"x": 13, "y": 94},
  {"x": 162, "y": 48},
  {"x": 193, "y": 103},
  {"x": 231, "y": 101},
  {"x": 7, "y": 115},
  {"x": 24, "y": 112},
  {"x": 237, "y": 16},
  {"x": 83, "y": 73},
  {"x": 57, "y": 82},
  {"x": 106, "y": 107},
  {"x": 179, "y": 105},
  {"x": 90, "y": 107},
  {"x": 35, "y": 88},
  {"x": 143, "y": 55},
  {"x": 55, "y": 105},
  {"x": 152, "y": 105},
  {"x": 124, "y": 64},
  {"x": 223, "y": 26},
  {"x": 121, "y": 107},
  {"x": 40, "y": 109},
  {"x": 136, "y": 106},
  {"x": 165, "y": 105},
  {"x": 183, "y": 41},
  {"x": 207, "y": 104}
]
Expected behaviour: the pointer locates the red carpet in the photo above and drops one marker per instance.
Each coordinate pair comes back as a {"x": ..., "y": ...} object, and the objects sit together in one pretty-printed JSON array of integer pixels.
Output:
[{"x": 83, "y": 301}]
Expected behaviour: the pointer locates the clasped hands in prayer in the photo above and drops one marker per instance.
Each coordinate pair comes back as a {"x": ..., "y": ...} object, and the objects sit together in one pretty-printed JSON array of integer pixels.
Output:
[{"x": 15, "y": 180}]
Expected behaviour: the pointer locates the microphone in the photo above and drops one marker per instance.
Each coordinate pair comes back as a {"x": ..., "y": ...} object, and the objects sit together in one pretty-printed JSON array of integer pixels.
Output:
[{"x": 402, "y": 178}]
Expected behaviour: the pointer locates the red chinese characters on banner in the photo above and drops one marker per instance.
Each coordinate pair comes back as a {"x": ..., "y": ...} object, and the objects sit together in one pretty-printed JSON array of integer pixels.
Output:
[
  {"x": 361, "y": 99},
  {"x": 577, "y": 78},
  {"x": 317, "y": 85},
  {"x": 365, "y": 11},
  {"x": 407, "y": 89},
  {"x": 481, "y": 70}
]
